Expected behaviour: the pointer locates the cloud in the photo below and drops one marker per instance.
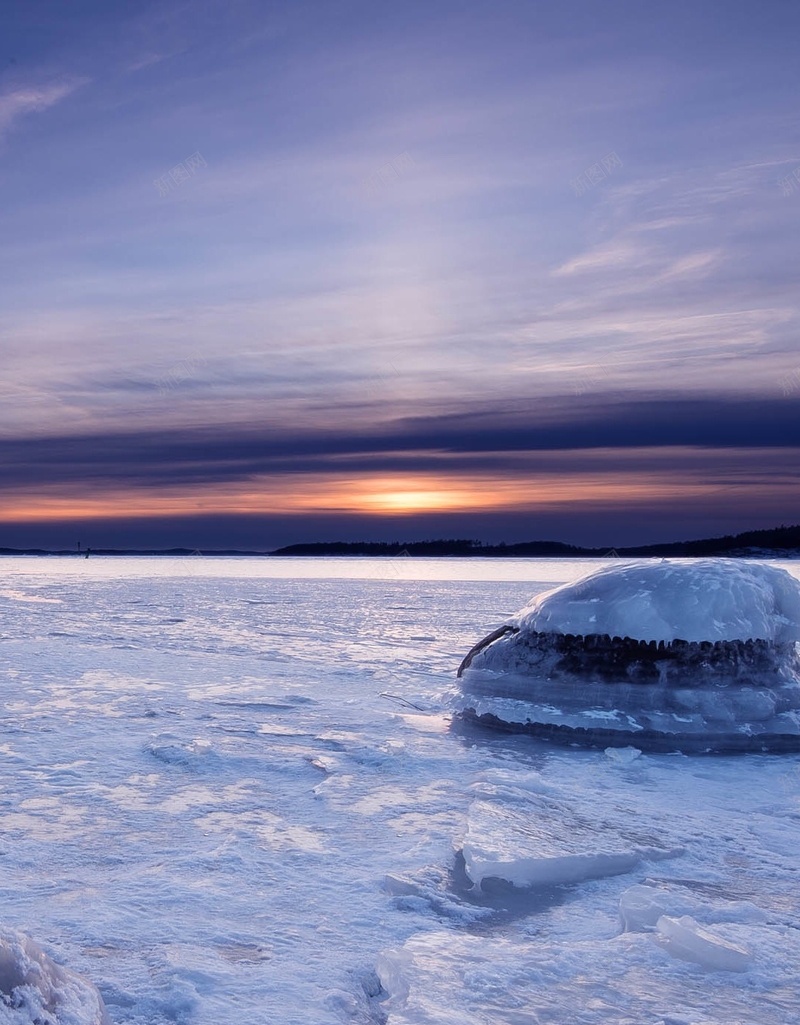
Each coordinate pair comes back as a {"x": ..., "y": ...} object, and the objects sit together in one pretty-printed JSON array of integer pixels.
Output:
[
  {"x": 621, "y": 254},
  {"x": 311, "y": 297},
  {"x": 614, "y": 434},
  {"x": 147, "y": 61},
  {"x": 32, "y": 100}
]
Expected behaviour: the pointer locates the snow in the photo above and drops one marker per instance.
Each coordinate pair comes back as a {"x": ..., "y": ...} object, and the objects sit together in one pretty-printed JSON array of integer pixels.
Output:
[
  {"x": 231, "y": 791},
  {"x": 665, "y": 599}
]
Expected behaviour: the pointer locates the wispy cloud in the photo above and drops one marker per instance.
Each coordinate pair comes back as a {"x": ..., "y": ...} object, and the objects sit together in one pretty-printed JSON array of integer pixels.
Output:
[
  {"x": 21, "y": 101},
  {"x": 620, "y": 254},
  {"x": 147, "y": 61}
]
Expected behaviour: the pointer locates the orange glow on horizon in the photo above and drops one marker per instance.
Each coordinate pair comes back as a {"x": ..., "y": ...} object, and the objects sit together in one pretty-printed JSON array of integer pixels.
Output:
[
  {"x": 407, "y": 495},
  {"x": 383, "y": 495}
]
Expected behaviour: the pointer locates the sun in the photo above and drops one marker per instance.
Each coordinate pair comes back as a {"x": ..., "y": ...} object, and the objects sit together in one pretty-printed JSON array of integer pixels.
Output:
[
  {"x": 417, "y": 495},
  {"x": 414, "y": 501}
]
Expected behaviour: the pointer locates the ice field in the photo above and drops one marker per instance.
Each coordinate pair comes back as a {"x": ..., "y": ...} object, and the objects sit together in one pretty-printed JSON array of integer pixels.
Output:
[{"x": 232, "y": 793}]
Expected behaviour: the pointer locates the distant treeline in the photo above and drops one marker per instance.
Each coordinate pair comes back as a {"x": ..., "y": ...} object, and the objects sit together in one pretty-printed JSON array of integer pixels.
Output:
[{"x": 778, "y": 541}]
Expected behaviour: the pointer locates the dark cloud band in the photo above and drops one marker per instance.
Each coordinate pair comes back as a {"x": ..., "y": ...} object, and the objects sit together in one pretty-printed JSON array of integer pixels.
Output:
[{"x": 469, "y": 441}]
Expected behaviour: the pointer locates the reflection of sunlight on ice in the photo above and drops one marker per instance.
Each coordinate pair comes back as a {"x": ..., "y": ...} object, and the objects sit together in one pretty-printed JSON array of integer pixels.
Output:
[
  {"x": 445, "y": 977},
  {"x": 273, "y": 831},
  {"x": 429, "y": 723},
  {"x": 40, "y": 802},
  {"x": 395, "y": 797},
  {"x": 189, "y": 797},
  {"x": 33, "y": 598},
  {"x": 58, "y": 822},
  {"x": 421, "y": 824},
  {"x": 134, "y": 796}
]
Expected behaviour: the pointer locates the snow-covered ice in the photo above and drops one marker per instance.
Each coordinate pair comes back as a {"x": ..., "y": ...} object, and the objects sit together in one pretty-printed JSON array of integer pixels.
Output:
[{"x": 232, "y": 791}]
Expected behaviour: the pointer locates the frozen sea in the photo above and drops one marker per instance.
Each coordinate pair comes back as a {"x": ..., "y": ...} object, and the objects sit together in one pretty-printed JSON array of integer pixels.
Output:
[{"x": 232, "y": 793}]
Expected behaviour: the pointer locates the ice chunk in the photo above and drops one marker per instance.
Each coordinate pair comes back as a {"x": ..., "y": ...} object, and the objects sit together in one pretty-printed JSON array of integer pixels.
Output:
[
  {"x": 530, "y": 838},
  {"x": 169, "y": 748},
  {"x": 640, "y": 907},
  {"x": 622, "y": 755},
  {"x": 36, "y": 990},
  {"x": 393, "y": 968},
  {"x": 684, "y": 938},
  {"x": 429, "y": 891}
]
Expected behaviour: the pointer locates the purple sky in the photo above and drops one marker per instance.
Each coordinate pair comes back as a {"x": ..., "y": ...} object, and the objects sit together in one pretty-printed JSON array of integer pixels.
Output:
[{"x": 507, "y": 270}]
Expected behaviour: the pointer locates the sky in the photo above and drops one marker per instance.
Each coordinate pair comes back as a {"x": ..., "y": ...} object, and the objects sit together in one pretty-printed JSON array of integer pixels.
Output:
[{"x": 307, "y": 271}]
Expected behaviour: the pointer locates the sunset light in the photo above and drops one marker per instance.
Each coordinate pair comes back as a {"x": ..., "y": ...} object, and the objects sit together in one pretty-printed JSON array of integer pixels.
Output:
[
  {"x": 380, "y": 296},
  {"x": 405, "y": 496}
]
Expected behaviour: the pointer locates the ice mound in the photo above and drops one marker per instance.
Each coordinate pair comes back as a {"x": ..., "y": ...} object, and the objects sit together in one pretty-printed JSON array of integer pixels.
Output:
[
  {"x": 659, "y": 600},
  {"x": 34, "y": 990},
  {"x": 688, "y": 655}
]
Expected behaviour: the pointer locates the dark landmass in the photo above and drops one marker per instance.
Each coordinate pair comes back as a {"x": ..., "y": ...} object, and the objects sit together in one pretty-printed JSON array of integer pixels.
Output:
[
  {"x": 780, "y": 541},
  {"x": 775, "y": 543}
]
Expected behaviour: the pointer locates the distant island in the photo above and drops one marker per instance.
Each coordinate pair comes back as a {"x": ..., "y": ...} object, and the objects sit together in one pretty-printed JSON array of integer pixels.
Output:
[{"x": 779, "y": 542}]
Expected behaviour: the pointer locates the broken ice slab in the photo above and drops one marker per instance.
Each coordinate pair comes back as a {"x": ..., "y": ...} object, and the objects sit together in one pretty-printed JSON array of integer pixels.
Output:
[
  {"x": 529, "y": 836},
  {"x": 643, "y": 905},
  {"x": 640, "y": 907},
  {"x": 686, "y": 939}
]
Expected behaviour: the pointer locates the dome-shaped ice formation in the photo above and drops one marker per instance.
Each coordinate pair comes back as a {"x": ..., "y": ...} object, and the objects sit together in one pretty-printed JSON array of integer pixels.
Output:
[{"x": 689, "y": 655}]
